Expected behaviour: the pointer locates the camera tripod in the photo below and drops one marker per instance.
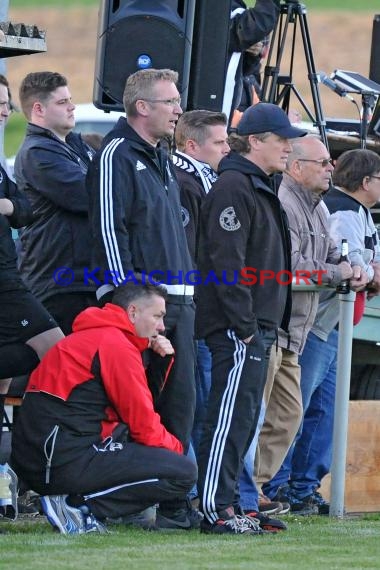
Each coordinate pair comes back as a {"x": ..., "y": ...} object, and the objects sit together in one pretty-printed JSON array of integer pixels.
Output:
[{"x": 277, "y": 88}]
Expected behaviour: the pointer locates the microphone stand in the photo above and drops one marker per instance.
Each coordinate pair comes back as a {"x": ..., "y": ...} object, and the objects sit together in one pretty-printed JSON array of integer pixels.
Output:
[{"x": 368, "y": 101}]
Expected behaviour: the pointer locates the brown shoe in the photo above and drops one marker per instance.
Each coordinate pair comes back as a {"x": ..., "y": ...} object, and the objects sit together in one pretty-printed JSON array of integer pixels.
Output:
[{"x": 268, "y": 507}]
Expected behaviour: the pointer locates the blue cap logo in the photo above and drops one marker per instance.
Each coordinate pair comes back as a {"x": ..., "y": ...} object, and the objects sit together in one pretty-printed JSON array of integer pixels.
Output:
[{"x": 144, "y": 61}]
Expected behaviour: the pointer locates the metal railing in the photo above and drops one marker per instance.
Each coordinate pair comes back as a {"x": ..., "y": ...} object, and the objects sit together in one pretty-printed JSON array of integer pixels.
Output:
[{"x": 342, "y": 397}]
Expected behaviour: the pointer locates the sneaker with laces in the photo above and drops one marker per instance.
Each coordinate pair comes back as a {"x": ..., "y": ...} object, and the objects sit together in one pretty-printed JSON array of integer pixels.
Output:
[
  {"x": 69, "y": 520},
  {"x": 185, "y": 518},
  {"x": 266, "y": 523},
  {"x": 230, "y": 523},
  {"x": 91, "y": 524}
]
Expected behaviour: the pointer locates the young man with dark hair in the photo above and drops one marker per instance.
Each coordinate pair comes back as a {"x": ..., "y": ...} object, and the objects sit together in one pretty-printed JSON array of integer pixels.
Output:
[
  {"x": 201, "y": 143},
  {"x": 88, "y": 438},
  {"x": 50, "y": 168}
]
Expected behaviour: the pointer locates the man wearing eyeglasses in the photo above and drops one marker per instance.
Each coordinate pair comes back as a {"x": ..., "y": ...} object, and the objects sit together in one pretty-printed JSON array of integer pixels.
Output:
[
  {"x": 137, "y": 226},
  {"x": 306, "y": 179}
]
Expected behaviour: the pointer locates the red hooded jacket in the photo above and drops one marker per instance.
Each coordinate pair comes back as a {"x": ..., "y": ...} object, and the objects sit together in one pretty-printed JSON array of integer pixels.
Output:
[{"x": 87, "y": 386}]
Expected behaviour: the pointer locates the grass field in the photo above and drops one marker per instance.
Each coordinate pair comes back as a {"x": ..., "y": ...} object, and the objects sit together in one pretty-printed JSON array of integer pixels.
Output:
[
  {"x": 52, "y": 3},
  {"x": 313, "y": 543}
]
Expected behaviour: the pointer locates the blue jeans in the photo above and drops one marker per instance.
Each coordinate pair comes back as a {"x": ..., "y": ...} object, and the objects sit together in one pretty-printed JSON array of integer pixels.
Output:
[
  {"x": 249, "y": 496},
  {"x": 202, "y": 386},
  {"x": 309, "y": 458}
]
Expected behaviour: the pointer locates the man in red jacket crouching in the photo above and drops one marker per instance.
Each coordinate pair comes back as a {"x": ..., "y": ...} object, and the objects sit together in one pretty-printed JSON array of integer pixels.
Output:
[{"x": 87, "y": 436}]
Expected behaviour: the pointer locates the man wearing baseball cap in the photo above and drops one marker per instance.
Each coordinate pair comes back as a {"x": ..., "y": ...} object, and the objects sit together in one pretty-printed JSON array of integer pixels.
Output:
[{"x": 244, "y": 244}]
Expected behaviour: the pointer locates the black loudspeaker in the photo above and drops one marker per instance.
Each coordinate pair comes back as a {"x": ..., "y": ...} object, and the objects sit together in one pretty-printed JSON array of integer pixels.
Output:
[
  {"x": 209, "y": 57},
  {"x": 136, "y": 34},
  {"x": 374, "y": 66}
]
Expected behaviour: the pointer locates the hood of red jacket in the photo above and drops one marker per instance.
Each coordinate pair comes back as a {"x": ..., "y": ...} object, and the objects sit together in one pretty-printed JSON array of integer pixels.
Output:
[{"x": 109, "y": 316}]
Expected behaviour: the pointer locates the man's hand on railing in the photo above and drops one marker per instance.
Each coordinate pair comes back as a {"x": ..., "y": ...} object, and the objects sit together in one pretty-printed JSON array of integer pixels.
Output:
[
  {"x": 359, "y": 278},
  {"x": 374, "y": 286}
]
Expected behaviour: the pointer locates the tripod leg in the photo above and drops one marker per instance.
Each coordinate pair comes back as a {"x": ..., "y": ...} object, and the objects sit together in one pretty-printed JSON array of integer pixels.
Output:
[
  {"x": 313, "y": 78},
  {"x": 269, "y": 89},
  {"x": 291, "y": 13}
]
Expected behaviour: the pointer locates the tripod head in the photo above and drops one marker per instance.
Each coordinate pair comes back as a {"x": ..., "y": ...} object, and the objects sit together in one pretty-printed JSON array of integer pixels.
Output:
[{"x": 292, "y": 6}]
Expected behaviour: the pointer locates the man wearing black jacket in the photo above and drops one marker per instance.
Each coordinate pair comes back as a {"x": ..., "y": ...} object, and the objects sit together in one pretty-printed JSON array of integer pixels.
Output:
[
  {"x": 51, "y": 168},
  {"x": 137, "y": 227},
  {"x": 201, "y": 143},
  {"x": 248, "y": 26},
  {"x": 244, "y": 246}
]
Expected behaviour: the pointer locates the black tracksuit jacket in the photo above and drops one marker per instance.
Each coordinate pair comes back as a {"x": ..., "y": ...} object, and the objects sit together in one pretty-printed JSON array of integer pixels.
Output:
[
  {"x": 242, "y": 225},
  {"x": 135, "y": 210}
]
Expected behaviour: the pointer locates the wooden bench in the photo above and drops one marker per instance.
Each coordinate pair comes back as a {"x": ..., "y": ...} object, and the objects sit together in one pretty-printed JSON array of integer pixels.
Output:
[
  {"x": 15, "y": 402},
  {"x": 362, "y": 488}
]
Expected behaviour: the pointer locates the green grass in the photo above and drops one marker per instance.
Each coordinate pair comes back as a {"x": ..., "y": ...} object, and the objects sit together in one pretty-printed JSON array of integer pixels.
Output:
[
  {"x": 14, "y": 133},
  {"x": 52, "y": 3},
  {"x": 311, "y": 543}
]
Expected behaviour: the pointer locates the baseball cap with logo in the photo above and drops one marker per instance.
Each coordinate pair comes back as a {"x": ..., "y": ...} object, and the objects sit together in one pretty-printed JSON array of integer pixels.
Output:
[{"x": 267, "y": 117}]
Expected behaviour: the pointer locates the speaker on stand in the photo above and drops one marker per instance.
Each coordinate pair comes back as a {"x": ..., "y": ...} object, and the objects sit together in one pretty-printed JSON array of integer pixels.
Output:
[
  {"x": 138, "y": 34},
  {"x": 374, "y": 66},
  {"x": 209, "y": 55}
]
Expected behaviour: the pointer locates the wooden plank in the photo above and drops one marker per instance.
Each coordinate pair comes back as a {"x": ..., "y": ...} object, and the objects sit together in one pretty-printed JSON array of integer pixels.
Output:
[
  {"x": 13, "y": 401},
  {"x": 362, "y": 489}
]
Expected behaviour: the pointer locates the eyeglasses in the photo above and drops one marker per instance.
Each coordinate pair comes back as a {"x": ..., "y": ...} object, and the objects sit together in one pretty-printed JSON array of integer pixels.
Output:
[
  {"x": 6, "y": 104},
  {"x": 373, "y": 176},
  {"x": 172, "y": 102},
  {"x": 323, "y": 162}
]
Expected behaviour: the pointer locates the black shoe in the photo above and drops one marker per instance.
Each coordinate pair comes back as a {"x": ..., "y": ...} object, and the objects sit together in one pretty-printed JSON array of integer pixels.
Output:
[
  {"x": 283, "y": 494},
  {"x": 303, "y": 507},
  {"x": 285, "y": 508},
  {"x": 28, "y": 505},
  {"x": 7, "y": 513},
  {"x": 266, "y": 523},
  {"x": 297, "y": 506},
  {"x": 181, "y": 519},
  {"x": 229, "y": 523},
  {"x": 145, "y": 519},
  {"x": 322, "y": 504}
]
